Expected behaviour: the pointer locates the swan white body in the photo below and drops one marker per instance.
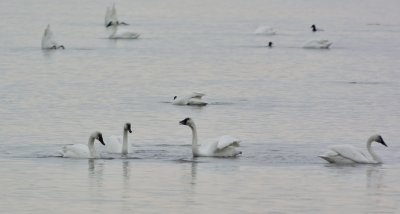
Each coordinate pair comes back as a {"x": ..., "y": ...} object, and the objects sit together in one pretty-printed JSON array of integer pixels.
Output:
[
  {"x": 111, "y": 18},
  {"x": 122, "y": 34},
  {"x": 190, "y": 99},
  {"x": 224, "y": 146},
  {"x": 265, "y": 30},
  {"x": 81, "y": 150},
  {"x": 119, "y": 144},
  {"x": 318, "y": 44},
  {"x": 345, "y": 154},
  {"x": 48, "y": 41}
]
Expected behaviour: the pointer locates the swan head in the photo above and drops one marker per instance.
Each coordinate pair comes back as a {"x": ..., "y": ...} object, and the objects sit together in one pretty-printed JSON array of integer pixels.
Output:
[
  {"x": 175, "y": 97},
  {"x": 377, "y": 138},
  {"x": 313, "y": 27},
  {"x": 187, "y": 122},
  {"x": 270, "y": 44},
  {"x": 127, "y": 127},
  {"x": 98, "y": 136}
]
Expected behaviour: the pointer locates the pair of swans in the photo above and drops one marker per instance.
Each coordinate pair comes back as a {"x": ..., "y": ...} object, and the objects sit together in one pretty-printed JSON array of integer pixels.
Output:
[
  {"x": 226, "y": 145},
  {"x": 48, "y": 41},
  {"x": 192, "y": 99},
  {"x": 347, "y": 154},
  {"x": 89, "y": 151}
]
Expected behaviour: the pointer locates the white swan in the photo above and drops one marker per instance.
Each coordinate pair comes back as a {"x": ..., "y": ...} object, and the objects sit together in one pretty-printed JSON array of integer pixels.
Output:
[
  {"x": 265, "y": 30},
  {"x": 193, "y": 98},
  {"x": 48, "y": 41},
  {"x": 118, "y": 144},
  {"x": 315, "y": 29},
  {"x": 122, "y": 34},
  {"x": 225, "y": 146},
  {"x": 350, "y": 154},
  {"x": 81, "y": 150},
  {"x": 111, "y": 17},
  {"x": 318, "y": 44}
]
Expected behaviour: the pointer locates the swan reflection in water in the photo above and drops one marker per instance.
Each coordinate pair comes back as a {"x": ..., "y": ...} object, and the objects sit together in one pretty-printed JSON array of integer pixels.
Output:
[
  {"x": 96, "y": 171},
  {"x": 375, "y": 176}
]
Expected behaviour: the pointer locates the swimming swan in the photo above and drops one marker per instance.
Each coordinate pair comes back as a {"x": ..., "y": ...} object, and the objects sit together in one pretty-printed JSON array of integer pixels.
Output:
[
  {"x": 111, "y": 17},
  {"x": 116, "y": 144},
  {"x": 193, "y": 98},
  {"x": 48, "y": 41},
  {"x": 122, "y": 34},
  {"x": 265, "y": 30},
  {"x": 225, "y": 146},
  {"x": 350, "y": 154},
  {"x": 81, "y": 150},
  {"x": 318, "y": 44}
]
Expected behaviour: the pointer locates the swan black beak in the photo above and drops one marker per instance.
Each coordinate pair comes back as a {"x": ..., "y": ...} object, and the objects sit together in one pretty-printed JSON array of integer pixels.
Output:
[
  {"x": 101, "y": 140},
  {"x": 130, "y": 131},
  {"x": 184, "y": 122},
  {"x": 383, "y": 143}
]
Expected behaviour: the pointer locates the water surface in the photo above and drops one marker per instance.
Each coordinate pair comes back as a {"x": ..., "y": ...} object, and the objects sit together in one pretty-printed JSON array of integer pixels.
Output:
[{"x": 286, "y": 104}]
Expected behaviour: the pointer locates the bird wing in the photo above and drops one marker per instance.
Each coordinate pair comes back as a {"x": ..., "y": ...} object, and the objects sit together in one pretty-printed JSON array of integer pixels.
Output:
[
  {"x": 195, "y": 95},
  {"x": 107, "y": 18},
  {"x": 352, "y": 153},
  {"x": 113, "y": 14},
  {"x": 48, "y": 38},
  {"x": 227, "y": 140}
]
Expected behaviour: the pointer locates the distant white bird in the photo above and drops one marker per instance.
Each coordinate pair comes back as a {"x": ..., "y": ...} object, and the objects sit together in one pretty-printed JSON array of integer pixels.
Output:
[
  {"x": 345, "y": 154},
  {"x": 265, "y": 30},
  {"x": 225, "y": 146},
  {"x": 315, "y": 29},
  {"x": 81, "y": 150},
  {"x": 122, "y": 34},
  {"x": 48, "y": 41},
  {"x": 318, "y": 44},
  {"x": 111, "y": 17},
  {"x": 118, "y": 144},
  {"x": 193, "y": 98}
]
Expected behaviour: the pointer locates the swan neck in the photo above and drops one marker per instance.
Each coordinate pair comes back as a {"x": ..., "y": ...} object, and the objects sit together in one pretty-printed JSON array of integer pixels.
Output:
[
  {"x": 194, "y": 139},
  {"x": 125, "y": 143},
  {"x": 92, "y": 150},
  {"x": 374, "y": 156}
]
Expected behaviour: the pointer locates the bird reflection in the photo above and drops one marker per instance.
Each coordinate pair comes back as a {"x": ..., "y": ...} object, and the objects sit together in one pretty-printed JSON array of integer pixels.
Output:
[
  {"x": 95, "y": 169},
  {"x": 125, "y": 169},
  {"x": 375, "y": 177},
  {"x": 193, "y": 170}
]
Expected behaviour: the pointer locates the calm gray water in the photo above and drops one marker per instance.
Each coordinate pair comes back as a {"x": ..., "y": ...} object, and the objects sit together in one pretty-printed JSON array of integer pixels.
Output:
[{"x": 286, "y": 104}]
